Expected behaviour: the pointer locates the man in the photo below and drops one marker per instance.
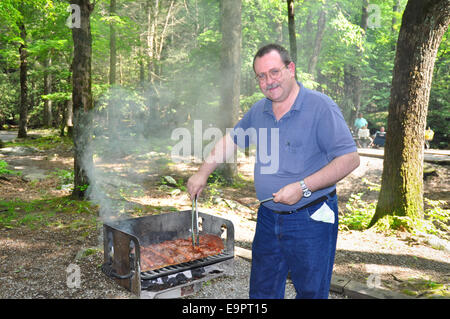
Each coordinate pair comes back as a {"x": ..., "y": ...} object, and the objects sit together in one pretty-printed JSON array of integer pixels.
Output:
[
  {"x": 296, "y": 231},
  {"x": 360, "y": 122}
]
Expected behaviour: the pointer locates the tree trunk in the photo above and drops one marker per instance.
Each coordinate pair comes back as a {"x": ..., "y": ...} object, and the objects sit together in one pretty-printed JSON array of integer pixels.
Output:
[
  {"x": 112, "y": 44},
  {"x": 395, "y": 10},
  {"x": 69, "y": 118},
  {"x": 307, "y": 28},
  {"x": 321, "y": 22},
  {"x": 69, "y": 109},
  {"x": 348, "y": 105},
  {"x": 23, "y": 107},
  {"x": 63, "y": 110},
  {"x": 424, "y": 23},
  {"x": 81, "y": 97},
  {"x": 48, "y": 118},
  {"x": 292, "y": 34},
  {"x": 152, "y": 15},
  {"x": 231, "y": 72},
  {"x": 356, "y": 70},
  {"x": 141, "y": 73}
]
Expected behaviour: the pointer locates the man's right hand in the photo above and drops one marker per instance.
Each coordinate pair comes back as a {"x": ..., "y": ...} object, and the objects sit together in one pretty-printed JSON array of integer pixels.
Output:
[
  {"x": 221, "y": 151},
  {"x": 195, "y": 184}
]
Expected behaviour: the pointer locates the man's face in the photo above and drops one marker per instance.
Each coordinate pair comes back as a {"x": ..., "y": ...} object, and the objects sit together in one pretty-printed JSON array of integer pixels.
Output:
[{"x": 276, "y": 90}]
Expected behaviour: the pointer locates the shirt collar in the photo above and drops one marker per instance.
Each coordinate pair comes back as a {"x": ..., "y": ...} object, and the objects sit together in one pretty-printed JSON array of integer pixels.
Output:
[{"x": 300, "y": 97}]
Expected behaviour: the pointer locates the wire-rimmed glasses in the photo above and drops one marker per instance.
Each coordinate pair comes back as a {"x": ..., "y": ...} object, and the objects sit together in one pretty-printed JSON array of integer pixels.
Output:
[{"x": 274, "y": 74}]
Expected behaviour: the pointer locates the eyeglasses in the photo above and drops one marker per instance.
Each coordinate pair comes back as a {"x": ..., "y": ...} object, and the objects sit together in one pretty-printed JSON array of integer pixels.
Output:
[{"x": 274, "y": 74}]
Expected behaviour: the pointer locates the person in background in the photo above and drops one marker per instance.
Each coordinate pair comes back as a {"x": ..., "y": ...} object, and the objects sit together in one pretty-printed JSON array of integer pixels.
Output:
[
  {"x": 379, "y": 138},
  {"x": 429, "y": 134},
  {"x": 313, "y": 149},
  {"x": 360, "y": 122},
  {"x": 364, "y": 136}
]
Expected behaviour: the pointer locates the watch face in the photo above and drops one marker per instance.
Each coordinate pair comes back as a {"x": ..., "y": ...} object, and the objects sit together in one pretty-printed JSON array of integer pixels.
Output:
[{"x": 307, "y": 193}]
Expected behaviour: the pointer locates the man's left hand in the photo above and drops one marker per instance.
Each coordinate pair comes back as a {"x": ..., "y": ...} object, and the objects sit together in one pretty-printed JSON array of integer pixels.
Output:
[{"x": 289, "y": 194}]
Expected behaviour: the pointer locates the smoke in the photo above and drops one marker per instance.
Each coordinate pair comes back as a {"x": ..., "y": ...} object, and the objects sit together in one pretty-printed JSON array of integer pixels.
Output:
[
  {"x": 124, "y": 136},
  {"x": 121, "y": 135}
]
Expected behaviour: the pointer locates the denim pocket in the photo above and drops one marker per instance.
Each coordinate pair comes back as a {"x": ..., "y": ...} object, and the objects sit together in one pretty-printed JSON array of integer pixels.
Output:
[{"x": 323, "y": 214}]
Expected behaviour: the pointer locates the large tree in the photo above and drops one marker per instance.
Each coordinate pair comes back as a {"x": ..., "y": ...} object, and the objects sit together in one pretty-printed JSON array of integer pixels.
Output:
[
  {"x": 112, "y": 44},
  {"x": 81, "y": 92},
  {"x": 230, "y": 71},
  {"x": 292, "y": 33},
  {"x": 424, "y": 23},
  {"x": 23, "y": 106},
  {"x": 321, "y": 24},
  {"x": 353, "y": 84}
]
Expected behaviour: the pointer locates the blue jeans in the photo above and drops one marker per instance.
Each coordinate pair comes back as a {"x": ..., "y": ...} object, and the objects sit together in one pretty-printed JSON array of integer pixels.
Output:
[{"x": 297, "y": 244}]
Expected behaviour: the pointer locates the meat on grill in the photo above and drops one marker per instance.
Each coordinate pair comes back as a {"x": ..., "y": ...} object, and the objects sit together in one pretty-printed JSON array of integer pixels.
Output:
[{"x": 179, "y": 251}]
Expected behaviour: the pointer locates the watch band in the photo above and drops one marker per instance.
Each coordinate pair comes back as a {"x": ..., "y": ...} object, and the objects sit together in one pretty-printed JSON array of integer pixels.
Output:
[{"x": 305, "y": 189}]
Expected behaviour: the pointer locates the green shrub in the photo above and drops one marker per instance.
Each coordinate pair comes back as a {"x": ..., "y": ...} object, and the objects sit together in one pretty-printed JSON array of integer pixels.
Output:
[{"x": 5, "y": 171}]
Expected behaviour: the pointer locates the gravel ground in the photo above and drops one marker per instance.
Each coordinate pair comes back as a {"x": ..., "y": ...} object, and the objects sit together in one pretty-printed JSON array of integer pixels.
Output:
[
  {"x": 236, "y": 287},
  {"x": 47, "y": 270},
  {"x": 35, "y": 261}
]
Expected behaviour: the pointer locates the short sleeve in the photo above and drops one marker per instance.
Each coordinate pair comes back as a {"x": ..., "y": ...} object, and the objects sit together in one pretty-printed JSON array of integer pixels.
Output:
[{"x": 333, "y": 135}]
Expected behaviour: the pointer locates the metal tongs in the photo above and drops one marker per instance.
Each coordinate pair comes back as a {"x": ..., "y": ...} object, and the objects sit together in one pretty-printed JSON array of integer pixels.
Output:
[
  {"x": 265, "y": 200},
  {"x": 194, "y": 225}
]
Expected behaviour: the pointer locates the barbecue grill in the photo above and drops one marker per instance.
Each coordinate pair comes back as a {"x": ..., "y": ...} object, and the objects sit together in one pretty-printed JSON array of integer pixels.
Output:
[{"x": 123, "y": 240}]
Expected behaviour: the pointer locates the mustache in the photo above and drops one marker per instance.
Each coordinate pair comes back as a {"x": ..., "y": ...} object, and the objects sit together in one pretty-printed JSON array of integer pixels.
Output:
[{"x": 272, "y": 86}]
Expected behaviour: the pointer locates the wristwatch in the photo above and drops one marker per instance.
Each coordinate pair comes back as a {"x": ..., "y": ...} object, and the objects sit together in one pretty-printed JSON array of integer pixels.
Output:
[{"x": 305, "y": 189}]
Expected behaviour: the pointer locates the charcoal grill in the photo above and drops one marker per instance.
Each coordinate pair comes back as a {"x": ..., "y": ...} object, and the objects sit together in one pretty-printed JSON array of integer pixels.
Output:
[{"x": 123, "y": 239}]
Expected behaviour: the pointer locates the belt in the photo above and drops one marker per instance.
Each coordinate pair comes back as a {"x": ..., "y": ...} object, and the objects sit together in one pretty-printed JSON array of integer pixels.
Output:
[{"x": 314, "y": 202}]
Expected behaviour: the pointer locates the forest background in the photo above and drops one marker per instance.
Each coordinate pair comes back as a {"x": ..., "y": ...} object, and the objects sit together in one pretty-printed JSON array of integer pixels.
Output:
[
  {"x": 157, "y": 65},
  {"x": 165, "y": 57}
]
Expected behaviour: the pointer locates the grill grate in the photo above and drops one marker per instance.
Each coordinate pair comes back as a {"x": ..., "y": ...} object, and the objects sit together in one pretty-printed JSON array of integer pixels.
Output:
[
  {"x": 123, "y": 239},
  {"x": 168, "y": 270}
]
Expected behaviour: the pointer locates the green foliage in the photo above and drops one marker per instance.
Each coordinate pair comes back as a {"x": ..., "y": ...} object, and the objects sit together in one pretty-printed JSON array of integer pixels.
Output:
[
  {"x": 378, "y": 119},
  {"x": 424, "y": 288},
  {"x": 47, "y": 213},
  {"x": 435, "y": 221},
  {"x": 248, "y": 101},
  {"x": 439, "y": 106},
  {"x": 184, "y": 80},
  {"x": 49, "y": 140},
  {"x": 352, "y": 34},
  {"x": 358, "y": 213},
  {"x": 5, "y": 171},
  {"x": 179, "y": 185},
  {"x": 47, "y": 37},
  {"x": 65, "y": 177},
  {"x": 216, "y": 178},
  {"x": 437, "y": 218}
]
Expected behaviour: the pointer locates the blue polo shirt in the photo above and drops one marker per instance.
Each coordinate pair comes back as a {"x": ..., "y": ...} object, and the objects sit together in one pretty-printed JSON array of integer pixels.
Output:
[{"x": 310, "y": 135}]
